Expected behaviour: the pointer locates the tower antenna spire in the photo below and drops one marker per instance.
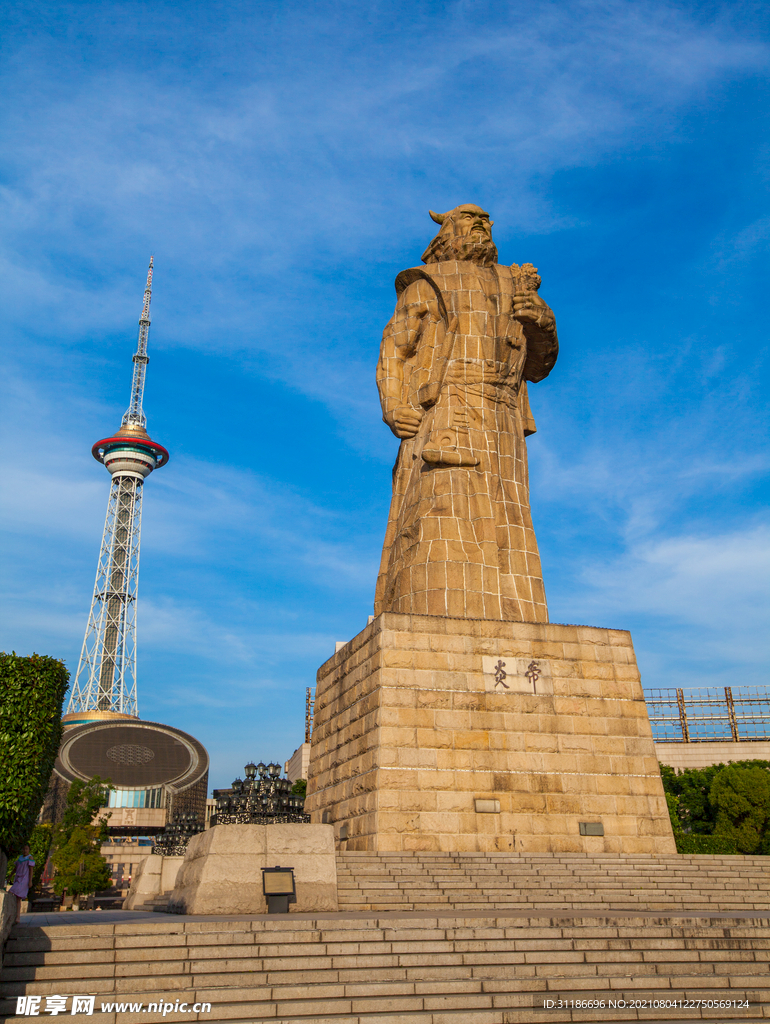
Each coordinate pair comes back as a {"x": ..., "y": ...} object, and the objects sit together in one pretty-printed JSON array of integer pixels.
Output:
[
  {"x": 105, "y": 682},
  {"x": 134, "y": 415}
]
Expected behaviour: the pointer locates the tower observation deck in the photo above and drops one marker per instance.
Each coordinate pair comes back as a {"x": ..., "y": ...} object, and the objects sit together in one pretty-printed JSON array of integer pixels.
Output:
[{"x": 105, "y": 682}]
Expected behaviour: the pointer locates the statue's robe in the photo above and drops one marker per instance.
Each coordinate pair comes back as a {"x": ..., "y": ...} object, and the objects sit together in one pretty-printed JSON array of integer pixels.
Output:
[{"x": 460, "y": 540}]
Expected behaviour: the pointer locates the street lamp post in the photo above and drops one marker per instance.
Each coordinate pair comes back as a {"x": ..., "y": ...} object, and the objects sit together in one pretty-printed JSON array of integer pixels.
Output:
[
  {"x": 173, "y": 840},
  {"x": 262, "y": 798}
]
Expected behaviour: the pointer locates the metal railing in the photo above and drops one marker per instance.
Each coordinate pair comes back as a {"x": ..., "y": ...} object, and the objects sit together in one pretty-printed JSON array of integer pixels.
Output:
[{"x": 732, "y": 714}]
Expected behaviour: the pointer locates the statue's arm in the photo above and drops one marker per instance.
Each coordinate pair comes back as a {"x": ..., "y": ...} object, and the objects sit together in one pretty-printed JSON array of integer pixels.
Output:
[
  {"x": 539, "y": 324},
  {"x": 417, "y": 307}
]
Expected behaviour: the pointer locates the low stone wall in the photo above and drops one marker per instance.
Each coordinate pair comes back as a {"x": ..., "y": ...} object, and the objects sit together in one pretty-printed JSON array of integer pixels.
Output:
[
  {"x": 703, "y": 754},
  {"x": 7, "y": 915},
  {"x": 221, "y": 873}
]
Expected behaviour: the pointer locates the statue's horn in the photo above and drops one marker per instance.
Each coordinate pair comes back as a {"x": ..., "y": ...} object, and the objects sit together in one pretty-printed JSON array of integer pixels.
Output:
[{"x": 438, "y": 217}]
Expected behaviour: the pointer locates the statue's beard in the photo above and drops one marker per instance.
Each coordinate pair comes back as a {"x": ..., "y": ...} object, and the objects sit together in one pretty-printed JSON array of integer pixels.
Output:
[{"x": 482, "y": 252}]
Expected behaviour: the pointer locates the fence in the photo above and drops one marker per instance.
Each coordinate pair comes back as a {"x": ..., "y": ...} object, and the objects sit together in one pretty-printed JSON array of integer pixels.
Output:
[{"x": 735, "y": 713}]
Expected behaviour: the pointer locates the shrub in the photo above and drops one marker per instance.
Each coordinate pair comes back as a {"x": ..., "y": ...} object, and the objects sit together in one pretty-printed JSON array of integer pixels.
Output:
[
  {"x": 704, "y": 844},
  {"x": 31, "y": 697}
]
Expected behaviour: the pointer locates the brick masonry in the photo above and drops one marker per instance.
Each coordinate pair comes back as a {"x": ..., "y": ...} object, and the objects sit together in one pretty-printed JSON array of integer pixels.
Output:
[{"x": 410, "y": 731}]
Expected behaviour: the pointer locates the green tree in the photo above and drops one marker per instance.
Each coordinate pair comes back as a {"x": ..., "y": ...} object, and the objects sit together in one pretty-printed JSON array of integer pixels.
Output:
[
  {"x": 300, "y": 788},
  {"x": 31, "y": 696},
  {"x": 721, "y": 808},
  {"x": 691, "y": 789},
  {"x": 77, "y": 860},
  {"x": 740, "y": 795}
]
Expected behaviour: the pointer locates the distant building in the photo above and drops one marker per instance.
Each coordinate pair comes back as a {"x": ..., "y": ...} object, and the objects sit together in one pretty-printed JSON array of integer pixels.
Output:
[
  {"x": 297, "y": 765},
  {"x": 157, "y": 771},
  {"x": 211, "y": 810},
  {"x": 705, "y": 753},
  {"x": 124, "y": 856},
  {"x": 702, "y": 726}
]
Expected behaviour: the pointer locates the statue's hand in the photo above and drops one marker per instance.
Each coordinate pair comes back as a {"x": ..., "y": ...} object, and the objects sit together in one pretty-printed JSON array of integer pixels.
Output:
[
  {"x": 404, "y": 421},
  {"x": 528, "y": 307}
]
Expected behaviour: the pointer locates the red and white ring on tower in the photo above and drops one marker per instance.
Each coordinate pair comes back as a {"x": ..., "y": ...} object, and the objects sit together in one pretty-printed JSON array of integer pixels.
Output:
[{"x": 130, "y": 452}]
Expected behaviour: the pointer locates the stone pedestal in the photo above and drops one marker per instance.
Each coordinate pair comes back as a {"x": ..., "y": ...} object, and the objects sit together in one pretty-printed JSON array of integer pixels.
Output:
[
  {"x": 221, "y": 872},
  {"x": 434, "y": 733}
]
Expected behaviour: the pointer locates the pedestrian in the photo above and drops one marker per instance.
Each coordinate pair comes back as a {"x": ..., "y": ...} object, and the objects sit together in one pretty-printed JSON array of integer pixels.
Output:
[{"x": 25, "y": 867}]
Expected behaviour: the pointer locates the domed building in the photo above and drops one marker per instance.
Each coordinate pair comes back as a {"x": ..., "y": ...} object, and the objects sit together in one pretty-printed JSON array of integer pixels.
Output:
[{"x": 157, "y": 770}]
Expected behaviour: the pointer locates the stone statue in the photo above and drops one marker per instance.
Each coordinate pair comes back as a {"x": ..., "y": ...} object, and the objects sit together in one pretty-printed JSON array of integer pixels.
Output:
[{"x": 466, "y": 336}]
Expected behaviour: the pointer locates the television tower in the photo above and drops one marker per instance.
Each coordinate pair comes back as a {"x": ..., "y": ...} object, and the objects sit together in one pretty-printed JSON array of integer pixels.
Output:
[{"x": 105, "y": 683}]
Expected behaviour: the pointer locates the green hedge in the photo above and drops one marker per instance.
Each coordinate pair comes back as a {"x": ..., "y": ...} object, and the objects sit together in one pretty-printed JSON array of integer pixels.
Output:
[
  {"x": 705, "y": 844},
  {"x": 31, "y": 697}
]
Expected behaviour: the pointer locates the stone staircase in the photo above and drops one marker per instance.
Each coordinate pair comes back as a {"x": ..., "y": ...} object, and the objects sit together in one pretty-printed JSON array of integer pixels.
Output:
[
  {"x": 511, "y": 881},
  {"x": 493, "y": 967},
  {"x": 432, "y": 938},
  {"x": 158, "y": 904}
]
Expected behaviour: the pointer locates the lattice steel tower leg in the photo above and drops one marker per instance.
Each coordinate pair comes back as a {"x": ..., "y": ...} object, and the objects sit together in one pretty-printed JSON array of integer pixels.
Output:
[{"x": 105, "y": 682}]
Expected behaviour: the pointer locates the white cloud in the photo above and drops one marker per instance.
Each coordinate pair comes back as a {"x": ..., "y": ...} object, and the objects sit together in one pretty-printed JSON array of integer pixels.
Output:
[{"x": 719, "y": 582}]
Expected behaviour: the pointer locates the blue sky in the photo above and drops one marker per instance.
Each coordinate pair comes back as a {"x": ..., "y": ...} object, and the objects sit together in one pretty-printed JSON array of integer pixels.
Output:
[{"x": 279, "y": 160}]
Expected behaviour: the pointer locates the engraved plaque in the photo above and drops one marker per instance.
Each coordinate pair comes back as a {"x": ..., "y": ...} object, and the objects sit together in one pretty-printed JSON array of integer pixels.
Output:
[{"x": 517, "y": 675}]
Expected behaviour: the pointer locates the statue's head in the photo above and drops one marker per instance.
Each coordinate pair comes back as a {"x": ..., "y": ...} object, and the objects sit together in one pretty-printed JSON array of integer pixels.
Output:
[{"x": 466, "y": 234}]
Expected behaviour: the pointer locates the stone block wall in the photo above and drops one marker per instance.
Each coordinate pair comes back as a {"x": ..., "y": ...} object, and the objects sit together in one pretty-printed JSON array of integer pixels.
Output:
[{"x": 415, "y": 738}]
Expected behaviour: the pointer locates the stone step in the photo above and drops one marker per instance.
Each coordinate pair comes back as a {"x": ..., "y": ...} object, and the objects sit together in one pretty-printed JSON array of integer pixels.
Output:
[
  {"x": 528, "y": 870},
  {"x": 427, "y": 1002},
  {"x": 673, "y": 885},
  {"x": 544, "y": 901},
  {"x": 50, "y": 947},
  {"x": 156, "y": 903},
  {"x": 572, "y": 883},
  {"x": 204, "y": 962},
  {"x": 439, "y": 969},
  {"x": 507, "y": 870},
  {"x": 372, "y": 940},
  {"x": 422, "y": 881},
  {"x": 700, "y": 882},
  {"x": 400, "y": 881},
  {"x": 561, "y": 862},
  {"x": 470, "y": 870},
  {"x": 159, "y": 905}
]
